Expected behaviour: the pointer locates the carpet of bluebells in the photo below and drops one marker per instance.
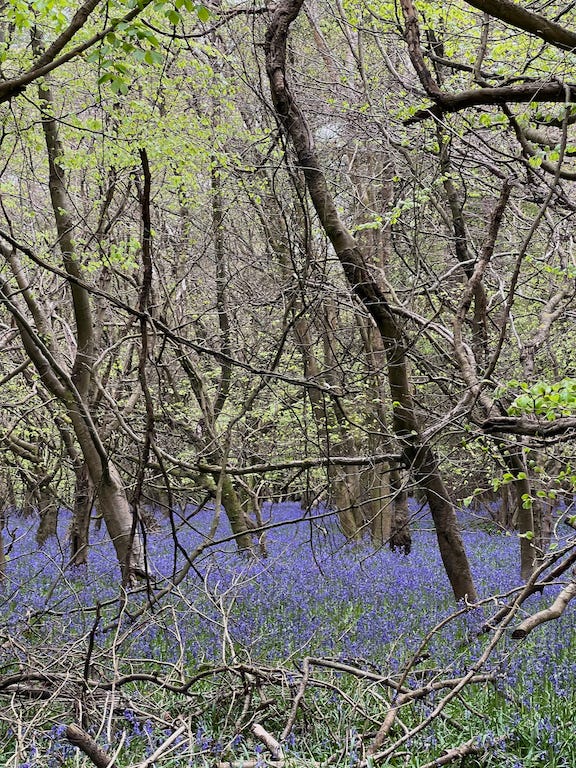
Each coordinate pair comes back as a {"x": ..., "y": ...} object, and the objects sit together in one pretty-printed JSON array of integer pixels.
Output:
[{"x": 312, "y": 595}]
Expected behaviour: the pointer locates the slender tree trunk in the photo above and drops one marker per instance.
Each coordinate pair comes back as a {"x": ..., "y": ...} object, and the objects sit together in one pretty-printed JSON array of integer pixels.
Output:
[
  {"x": 343, "y": 483},
  {"x": 388, "y": 501},
  {"x": 111, "y": 503},
  {"x": 81, "y": 513},
  {"x": 469, "y": 361},
  {"x": 73, "y": 387},
  {"x": 207, "y": 445},
  {"x": 2, "y": 547},
  {"x": 514, "y": 459},
  {"x": 364, "y": 282},
  {"x": 378, "y": 505},
  {"x": 389, "y": 508},
  {"x": 400, "y": 535}
]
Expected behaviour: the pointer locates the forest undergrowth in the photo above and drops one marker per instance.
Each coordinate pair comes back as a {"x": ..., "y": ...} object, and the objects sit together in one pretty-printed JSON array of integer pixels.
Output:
[{"x": 323, "y": 652}]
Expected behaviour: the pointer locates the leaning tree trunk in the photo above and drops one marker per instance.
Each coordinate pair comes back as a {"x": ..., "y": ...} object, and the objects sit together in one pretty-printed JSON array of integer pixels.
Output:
[{"x": 364, "y": 283}]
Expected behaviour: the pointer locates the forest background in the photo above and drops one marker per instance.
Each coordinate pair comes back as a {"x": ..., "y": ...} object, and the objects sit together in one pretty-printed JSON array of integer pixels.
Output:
[{"x": 255, "y": 254}]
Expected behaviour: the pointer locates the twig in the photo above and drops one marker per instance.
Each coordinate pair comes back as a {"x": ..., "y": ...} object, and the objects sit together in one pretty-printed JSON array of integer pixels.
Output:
[
  {"x": 162, "y": 748},
  {"x": 297, "y": 699}
]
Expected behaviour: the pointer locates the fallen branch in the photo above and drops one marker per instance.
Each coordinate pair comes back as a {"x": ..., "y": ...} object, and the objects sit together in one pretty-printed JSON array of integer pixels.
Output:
[
  {"x": 536, "y": 584},
  {"x": 271, "y": 744},
  {"x": 297, "y": 699},
  {"x": 415, "y": 695},
  {"x": 79, "y": 738},
  {"x": 472, "y": 747}
]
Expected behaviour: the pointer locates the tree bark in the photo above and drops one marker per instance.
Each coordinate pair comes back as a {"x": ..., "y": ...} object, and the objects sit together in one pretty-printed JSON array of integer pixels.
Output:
[
  {"x": 47, "y": 511},
  {"x": 83, "y": 498},
  {"x": 235, "y": 513},
  {"x": 400, "y": 535}
]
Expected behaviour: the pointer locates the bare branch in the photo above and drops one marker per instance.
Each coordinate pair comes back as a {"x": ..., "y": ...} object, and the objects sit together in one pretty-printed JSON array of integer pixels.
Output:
[
  {"x": 518, "y": 16},
  {"x": 554, "y": 611},
  {"x": 541, "y": 91},
  {"x": 471, "y": 747},
  {"x": 530, "y": 426}
]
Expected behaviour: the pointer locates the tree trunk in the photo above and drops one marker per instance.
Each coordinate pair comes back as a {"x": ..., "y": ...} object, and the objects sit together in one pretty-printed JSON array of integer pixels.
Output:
[
  {"x": 48, "y": 512},
  {"x": 382, "y": 495},
  {"x": 235, "y": 514},
  {"x": 524, "y": 513},
  {"x": 400, "y": 535},
  {"x": 2, "y": 547},
  {"x": 113, "y": 505},
  {"x": 345, "y": 481},
  {"x": 364, "y": 282},
  {"x": 72, "y": 387},
  {"x": 343, "y": 486},
  {"x": 81, "y": 513},
  {"x": 379, "y": 504}
]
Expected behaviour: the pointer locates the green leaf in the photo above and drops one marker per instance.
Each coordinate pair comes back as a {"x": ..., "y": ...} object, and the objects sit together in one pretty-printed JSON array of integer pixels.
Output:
[
  {"x": 119, "y": 85},
  {"x": 535, "y": 162},
  {"x": 203, "y": 13},
  {"x": 528, "y": 535},
  {"x": 106, "y": 78},
  {"x": 153, "y": 57}
]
